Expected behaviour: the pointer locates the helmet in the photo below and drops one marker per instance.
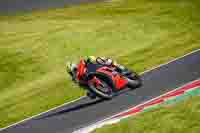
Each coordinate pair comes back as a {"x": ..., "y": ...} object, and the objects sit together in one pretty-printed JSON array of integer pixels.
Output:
[
  {"x": 71, "y": 67},
  {"x": 92, "y": 58},
  {"x": 68, "y": 66}
]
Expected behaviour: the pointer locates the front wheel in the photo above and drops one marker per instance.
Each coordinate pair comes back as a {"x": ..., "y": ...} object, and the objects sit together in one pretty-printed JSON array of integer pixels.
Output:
[{"x": 102, "y": 90}]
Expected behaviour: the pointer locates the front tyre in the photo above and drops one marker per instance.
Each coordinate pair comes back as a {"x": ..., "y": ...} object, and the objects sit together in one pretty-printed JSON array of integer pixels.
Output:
[
  {"x": 103, "y": 90},
  {"x": 91, "y": 95}
]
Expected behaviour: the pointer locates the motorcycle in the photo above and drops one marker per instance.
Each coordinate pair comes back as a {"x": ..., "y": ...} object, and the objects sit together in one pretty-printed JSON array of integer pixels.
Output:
[{"x": 104, "y": 81}]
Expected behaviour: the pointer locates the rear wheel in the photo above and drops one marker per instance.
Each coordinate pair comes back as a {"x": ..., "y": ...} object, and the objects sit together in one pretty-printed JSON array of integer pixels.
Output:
[{"x": 134, "y": 80}]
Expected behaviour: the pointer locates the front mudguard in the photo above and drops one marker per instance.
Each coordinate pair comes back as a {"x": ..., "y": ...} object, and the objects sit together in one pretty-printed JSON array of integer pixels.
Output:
[{"x": 106, "y": 77}]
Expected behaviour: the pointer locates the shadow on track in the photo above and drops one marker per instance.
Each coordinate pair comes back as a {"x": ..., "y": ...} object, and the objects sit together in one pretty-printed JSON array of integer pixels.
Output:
[{"x": 76, "y": 108}]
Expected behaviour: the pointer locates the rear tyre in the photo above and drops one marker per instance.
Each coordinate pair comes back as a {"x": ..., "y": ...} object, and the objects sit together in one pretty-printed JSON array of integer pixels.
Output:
[
  {"x": 134, "y": 80},
  {"x": 134, "y": 83}
]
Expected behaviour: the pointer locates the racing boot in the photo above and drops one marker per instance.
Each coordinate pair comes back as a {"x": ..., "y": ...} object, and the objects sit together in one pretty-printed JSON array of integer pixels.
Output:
[{"x": 121, "y": 69}]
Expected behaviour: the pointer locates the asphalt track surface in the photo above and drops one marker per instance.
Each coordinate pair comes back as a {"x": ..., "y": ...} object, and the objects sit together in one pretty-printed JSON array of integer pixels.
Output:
[
  {"x": 13, "y": 6},
  {"x": 84, "y": 112}
]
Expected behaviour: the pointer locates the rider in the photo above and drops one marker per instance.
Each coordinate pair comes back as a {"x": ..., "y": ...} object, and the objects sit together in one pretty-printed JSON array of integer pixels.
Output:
[{"x": 71, "y": 67}]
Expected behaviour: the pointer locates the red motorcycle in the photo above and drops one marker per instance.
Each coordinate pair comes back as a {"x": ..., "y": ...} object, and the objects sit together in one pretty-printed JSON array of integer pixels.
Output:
[{"x": 105, "y": 81}]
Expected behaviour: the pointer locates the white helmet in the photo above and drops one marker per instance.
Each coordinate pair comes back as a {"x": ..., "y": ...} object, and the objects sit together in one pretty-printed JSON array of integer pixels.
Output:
[{"x": 71, "y": 67}]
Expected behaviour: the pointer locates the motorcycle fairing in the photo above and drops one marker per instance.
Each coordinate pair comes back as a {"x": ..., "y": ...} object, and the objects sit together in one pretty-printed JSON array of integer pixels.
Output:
[
  {"x": 81, "y": 69},
  {"x": 117, "y": 79}
]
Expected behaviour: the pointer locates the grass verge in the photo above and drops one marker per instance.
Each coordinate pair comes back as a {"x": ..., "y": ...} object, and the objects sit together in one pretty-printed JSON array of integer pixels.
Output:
[{"x": 179, "y": 118}]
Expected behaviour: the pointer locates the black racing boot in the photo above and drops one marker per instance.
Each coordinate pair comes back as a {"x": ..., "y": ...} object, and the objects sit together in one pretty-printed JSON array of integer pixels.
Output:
[{"x": 124, "y": 71}]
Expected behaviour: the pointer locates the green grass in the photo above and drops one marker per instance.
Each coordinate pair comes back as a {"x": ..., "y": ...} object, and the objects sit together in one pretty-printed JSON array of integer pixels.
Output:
[
  {"x": 179, "y": 118},
  {"x": 35, "y": 46}
]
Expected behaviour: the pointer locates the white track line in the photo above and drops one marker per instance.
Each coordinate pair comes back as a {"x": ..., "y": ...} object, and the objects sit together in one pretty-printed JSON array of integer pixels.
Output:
[
  {"x": 85, "y": 96},
  {"x": 95, "y": 125},
  {"x": 197, "y": 50},
  {"x": 157, "y": 97},
  {"x": 42, "y": 113}
]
